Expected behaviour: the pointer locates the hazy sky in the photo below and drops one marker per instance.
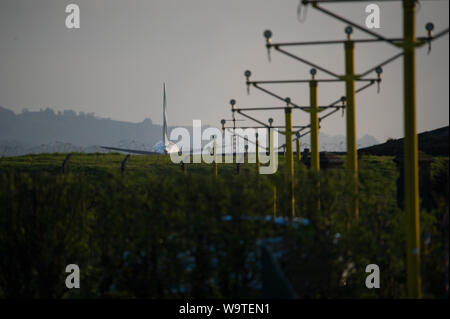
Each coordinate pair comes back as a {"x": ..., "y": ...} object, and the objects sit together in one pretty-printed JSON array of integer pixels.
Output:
[{"x": 115, "y": 64}]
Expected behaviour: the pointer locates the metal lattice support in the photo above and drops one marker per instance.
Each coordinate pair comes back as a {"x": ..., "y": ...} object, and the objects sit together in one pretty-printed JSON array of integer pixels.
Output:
[{"x": 408, "y": 44}]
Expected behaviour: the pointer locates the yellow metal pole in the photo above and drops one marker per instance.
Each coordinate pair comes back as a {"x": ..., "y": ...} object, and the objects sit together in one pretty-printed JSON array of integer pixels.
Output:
[
  {"x": 269, "y": 129},
  {"x": 223, "y": 140},
  {"x": 352, "y": 156},
  {"x": 257, "y": 154},
  {"x": 215, "y": 157},
  {"x": 315, "y": 161},
  {"x": 314, "y": 110},
  {"x": 289, "y": 160},
  {"x": 410, "y": 153},
  {"x": 297, "y": 144}
]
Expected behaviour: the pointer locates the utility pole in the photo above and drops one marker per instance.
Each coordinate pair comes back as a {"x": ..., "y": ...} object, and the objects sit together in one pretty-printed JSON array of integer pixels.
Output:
[
  {"x": 289, "y": 157},
  {"x": 352, "y": 153},
  {"x": 315, "y": 159},
  {"x": 411, "y": 151}
]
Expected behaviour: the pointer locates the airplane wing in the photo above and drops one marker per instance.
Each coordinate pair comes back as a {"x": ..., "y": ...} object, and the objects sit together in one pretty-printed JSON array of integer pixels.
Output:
[
  {"x": 130, "y": 151},
  {"x": 125, "y": 150}
]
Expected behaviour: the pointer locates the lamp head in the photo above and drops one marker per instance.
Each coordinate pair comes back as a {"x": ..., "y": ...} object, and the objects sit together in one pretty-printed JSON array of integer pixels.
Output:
[
  {"x": 268, "y": 35},
  {"x": 429, "y": 26},
  {"x": 348, "y": 31},
  {"x": 247, "y": 75}
]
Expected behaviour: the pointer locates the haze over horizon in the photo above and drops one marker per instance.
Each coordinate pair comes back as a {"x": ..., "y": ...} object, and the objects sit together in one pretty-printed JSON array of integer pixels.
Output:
[
  {"x": 50, "y": 131},
  {"x": 115, "y": 64}
]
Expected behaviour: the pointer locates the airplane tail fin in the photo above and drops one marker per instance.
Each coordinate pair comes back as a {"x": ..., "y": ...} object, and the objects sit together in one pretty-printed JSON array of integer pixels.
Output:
[{"x": 165, "y": 138}]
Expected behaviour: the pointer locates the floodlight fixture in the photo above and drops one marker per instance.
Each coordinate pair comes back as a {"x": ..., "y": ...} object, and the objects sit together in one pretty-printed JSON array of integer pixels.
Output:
[
  {"x": 429, "y": 27},
  {"x": 247, "y": 75},
  {"x": 379, "y": 70},
  {"x": 268, "y": 36},
  {"x": 348, "y": 30},
  {"x": 313, "y": 73}
]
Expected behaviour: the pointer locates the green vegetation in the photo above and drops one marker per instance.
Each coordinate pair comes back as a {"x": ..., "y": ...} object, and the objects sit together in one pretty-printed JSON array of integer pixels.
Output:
[{"x": 156, "y": 232}]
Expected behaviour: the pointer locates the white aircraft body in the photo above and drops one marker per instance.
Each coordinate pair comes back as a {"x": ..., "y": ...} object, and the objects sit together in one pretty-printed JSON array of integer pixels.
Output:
[{"x": 162, "y": 147}]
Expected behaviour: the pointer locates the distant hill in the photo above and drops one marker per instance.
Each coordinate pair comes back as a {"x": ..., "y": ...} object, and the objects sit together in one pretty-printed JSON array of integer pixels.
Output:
[
  {"x": 67, "y": 131},
  {"x": 82, "y": 129},
  {"x": 433, "y": 142},
  {"x": 47, "y": 131}
]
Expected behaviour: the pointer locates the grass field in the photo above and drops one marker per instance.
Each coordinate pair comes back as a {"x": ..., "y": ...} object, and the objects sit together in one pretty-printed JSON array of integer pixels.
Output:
[
  {"x": 155, "y": 231},
  {"x": 88, "y": 163}
]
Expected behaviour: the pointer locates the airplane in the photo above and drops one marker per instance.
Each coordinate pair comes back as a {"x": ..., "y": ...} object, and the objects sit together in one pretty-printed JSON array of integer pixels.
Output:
[{"x": 162, "y": 147}]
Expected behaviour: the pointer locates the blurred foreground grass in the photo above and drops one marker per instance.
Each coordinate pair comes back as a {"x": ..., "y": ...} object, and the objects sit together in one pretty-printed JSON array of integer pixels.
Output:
[{"x": 154, "y": 232}]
